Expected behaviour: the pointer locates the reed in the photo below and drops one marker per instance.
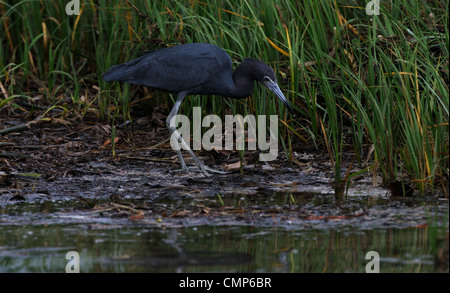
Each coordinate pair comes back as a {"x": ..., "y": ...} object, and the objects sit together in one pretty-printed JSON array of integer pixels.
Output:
[{"x": 357, "y": 81}]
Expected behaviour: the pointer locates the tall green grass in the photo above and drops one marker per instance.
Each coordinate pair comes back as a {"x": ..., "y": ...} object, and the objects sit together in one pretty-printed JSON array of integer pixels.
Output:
[{"x": 357, "y": 81}]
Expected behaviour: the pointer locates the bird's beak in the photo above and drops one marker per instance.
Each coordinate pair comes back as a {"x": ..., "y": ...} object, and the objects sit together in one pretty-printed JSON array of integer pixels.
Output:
[{"x": 273, "y": 86}]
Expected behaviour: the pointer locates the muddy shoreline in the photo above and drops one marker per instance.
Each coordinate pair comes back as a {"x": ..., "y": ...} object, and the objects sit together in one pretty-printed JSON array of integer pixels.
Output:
[
  {"x": 66, "y": 167},
  {"x": 61, "y": 189}
]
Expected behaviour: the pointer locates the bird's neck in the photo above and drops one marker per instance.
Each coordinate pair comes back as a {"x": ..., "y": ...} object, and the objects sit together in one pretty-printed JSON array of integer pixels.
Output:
[{"x": 243, "y": 81}]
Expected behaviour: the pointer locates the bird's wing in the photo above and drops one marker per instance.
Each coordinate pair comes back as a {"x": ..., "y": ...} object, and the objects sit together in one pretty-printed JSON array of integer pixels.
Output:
[{"x": 173, "y": 69}]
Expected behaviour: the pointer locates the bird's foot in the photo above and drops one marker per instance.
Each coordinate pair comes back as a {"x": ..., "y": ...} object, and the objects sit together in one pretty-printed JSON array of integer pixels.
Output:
[
  {"x": 216, "y": 171},
  {"x": 195, "y": 169},
  {"x": 204, "y": 169}
]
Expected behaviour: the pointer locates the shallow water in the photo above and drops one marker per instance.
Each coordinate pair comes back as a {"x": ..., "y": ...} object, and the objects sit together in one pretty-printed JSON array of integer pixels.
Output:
[
  {"x": 212, "y": 249},
  {"x": 300, "y": 232}
]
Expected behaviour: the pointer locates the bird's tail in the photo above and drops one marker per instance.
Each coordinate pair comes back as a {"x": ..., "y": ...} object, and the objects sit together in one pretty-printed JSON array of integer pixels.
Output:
[
  {"x": 115, "y": 73},
  {"x": 121, "y": 72}
]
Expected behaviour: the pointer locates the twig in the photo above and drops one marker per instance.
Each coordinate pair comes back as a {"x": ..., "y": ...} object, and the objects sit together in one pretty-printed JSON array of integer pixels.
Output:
[
  {"x": 14, "y": 129},
  {"x": 125, "y": 207},
  {"x": 138, "y": 11},
  {"x": 6, "y": 144},
  {"x": 9, "y": 155},
  {"x": 3, "y": 91},
  {"x": 21, "y": 127},
  {"x": 148, "y": 159},
  {"x": 29, "y": 147},
  {"x": 115, "y": 206}
]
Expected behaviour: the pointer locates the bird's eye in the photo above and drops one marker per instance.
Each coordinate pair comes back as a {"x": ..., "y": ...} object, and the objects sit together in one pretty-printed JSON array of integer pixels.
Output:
[{"x": 266, "y": 78}]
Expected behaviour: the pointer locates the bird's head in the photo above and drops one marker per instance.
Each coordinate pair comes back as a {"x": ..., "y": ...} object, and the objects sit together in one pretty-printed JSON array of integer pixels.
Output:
[
  {"x": 265, "y": 75},
  {"x": 272, "y": 85}
]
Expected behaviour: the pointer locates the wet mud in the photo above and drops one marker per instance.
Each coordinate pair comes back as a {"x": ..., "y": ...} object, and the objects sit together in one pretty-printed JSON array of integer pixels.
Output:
[{"x": 61, "y": 172}]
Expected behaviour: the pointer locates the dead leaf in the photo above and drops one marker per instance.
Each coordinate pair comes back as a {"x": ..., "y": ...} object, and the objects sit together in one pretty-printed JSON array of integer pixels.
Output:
[
  {"x": 108, "y": 141},
  {"x": 233, "y": 166},
  {"x": 138, "y": 216}
]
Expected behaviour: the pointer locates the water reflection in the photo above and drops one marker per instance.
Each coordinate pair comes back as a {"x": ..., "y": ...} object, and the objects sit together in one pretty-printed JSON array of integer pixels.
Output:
[{"x": 212, "y": 249}]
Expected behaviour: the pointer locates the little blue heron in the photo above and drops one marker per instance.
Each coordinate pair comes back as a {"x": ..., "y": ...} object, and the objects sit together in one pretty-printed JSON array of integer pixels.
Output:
[{"x": 195, "y": 69}]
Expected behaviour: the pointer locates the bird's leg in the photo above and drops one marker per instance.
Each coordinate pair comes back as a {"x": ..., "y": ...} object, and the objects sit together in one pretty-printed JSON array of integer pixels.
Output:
[
  {"x": 180, "y": 140},
  {"x": 173, "y": 131}
]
